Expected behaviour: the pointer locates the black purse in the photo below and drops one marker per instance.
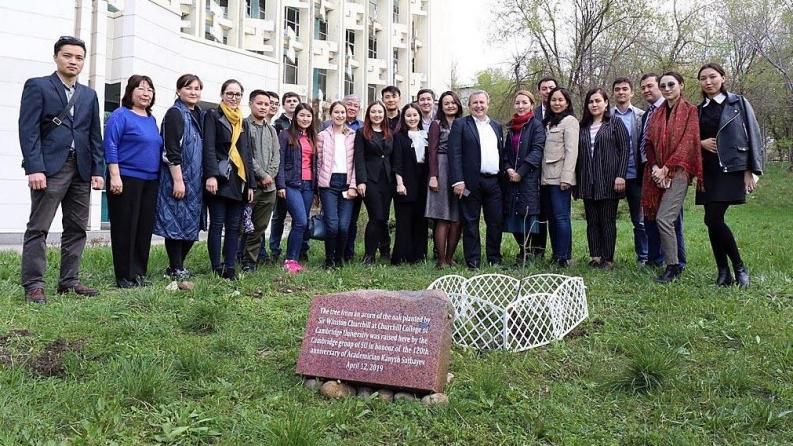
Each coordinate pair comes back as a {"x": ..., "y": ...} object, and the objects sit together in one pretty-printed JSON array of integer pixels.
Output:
[
  {"x": 224, "y": 168},
  {"x": 316, "y": 227}
]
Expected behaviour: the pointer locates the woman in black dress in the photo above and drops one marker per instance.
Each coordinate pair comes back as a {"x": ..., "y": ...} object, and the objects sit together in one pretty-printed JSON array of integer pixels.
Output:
[
  {"x": 374, "y": 150},
  {"x": 732, "y": 154}
]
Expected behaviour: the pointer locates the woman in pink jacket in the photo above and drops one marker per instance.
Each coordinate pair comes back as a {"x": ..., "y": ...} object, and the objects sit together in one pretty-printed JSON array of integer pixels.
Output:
[{"x": 336, "y": 180}]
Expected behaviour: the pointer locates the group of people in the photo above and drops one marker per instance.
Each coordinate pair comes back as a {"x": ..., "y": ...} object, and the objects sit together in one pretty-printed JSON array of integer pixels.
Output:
[{"x": 435, "y": 165}]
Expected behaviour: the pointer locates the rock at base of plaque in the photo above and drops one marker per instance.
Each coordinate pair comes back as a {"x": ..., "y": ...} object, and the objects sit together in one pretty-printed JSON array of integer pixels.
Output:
[
  {"x": 385, "y": 394},
  {"x": 404, "y": 396},
  {"x": 336, "y": 390},
  {"x": 365, "y": 392},
  {"x": 435, "y": 399},
  {"x": 313, "y": 384}
]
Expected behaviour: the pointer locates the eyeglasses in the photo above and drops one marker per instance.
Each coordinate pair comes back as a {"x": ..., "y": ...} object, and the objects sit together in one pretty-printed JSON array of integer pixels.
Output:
[
  {"x": 667, "y": 86},
  {"x": 232, "y": 95}
]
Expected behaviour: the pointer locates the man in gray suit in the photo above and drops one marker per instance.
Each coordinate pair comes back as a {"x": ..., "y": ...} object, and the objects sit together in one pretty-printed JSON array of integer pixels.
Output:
[
  {"x": 61, "y": 140},
  {"x": 622, "y": 89}
]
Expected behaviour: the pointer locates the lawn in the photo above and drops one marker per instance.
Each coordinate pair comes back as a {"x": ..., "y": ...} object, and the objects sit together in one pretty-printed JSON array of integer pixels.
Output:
[{"x": 683, "y": 364}]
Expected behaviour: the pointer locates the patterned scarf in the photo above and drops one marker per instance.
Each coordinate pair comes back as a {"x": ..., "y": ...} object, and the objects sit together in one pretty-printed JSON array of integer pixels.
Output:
[
  {"x": 674, "y": 137},
  {"x": 234, "y": 115}
]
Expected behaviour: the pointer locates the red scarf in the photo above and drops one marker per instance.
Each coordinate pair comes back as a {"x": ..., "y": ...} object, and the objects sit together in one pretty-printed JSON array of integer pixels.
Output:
[
  {"x": 518, "y": 121},
  {"x": 675, "y": 142}
]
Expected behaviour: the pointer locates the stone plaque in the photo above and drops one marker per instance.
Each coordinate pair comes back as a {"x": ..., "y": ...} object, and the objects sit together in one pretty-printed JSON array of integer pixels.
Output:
[{"x": 391, "y": 338}]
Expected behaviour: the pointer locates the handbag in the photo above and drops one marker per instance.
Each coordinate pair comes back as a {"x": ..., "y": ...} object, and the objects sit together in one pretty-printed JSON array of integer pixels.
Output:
[
  {"x": 224, "y": 167},
  {"x": 316, "y": 227}
]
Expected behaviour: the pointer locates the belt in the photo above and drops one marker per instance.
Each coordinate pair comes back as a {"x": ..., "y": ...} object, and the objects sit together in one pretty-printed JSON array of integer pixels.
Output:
[{"x": 488, "y": 175}]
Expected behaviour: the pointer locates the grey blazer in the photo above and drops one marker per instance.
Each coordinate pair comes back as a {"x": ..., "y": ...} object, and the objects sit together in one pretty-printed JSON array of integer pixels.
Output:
[{"x": 635, "y": 133}]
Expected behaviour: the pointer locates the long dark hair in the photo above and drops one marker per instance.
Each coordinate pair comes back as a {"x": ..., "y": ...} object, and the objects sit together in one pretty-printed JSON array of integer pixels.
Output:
[
  {"x": 441, "y": 115},
  {"x": 368, "y": 132},
  {"x": 311, "y": 133},
  {"x": 717, "y": 68},
  {"x": 134, "y": 82},
  {"x": 552, "y": 119},
  {"x": 587, "y": 118},
  {"x": 403, "y": 126}
]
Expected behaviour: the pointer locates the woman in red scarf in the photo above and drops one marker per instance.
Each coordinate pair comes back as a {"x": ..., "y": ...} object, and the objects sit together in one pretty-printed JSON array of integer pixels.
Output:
[
  {"x": 674, "y": 158},
  {"x": 522, "y": 159}
]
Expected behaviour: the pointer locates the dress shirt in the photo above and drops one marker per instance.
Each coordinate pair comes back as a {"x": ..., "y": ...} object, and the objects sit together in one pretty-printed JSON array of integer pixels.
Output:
[
  {"x": 488, "y": 143},
  {"x": 629, "y": 119},
  {"x": 649, "y": 115}
]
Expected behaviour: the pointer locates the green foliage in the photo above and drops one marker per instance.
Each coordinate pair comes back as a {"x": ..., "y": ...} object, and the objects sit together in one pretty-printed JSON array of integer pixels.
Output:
[{"x": 141, "y": 379}]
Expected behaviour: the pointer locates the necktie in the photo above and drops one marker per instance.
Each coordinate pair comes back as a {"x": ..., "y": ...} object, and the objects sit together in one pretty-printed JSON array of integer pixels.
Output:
[{"x": 643, "y": 144}]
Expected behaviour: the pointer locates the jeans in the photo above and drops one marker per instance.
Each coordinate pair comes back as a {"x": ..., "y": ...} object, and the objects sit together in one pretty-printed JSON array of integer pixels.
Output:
[
  {"x": 557, "y": 208},
  {"x": 298, "y": 204},
  {"x": 337, "y": 212},
  {"x": 655, "y": 254},
  {"x": 633, "y": 195},
  {"x": 223, "y": 213}
]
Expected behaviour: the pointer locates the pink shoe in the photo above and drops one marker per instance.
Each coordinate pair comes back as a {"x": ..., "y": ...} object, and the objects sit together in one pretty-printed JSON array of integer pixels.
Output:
[{"x": 292, "y": 267}]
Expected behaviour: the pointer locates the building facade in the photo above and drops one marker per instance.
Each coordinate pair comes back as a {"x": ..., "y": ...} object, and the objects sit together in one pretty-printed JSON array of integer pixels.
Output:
[{"x": 320, "y": 49}]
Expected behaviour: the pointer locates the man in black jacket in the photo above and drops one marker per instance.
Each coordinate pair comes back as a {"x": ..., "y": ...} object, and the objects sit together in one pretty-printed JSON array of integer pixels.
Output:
[{"x": 61, "y": 140}]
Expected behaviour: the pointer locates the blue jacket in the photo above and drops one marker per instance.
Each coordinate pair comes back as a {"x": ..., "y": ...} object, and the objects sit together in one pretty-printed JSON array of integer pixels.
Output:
[
  {"x": 528, "y": 164},
  {"x": 290, "y": 171},
  {"x": 738, "y": 141},
  {"x": 44, "y": 98}
]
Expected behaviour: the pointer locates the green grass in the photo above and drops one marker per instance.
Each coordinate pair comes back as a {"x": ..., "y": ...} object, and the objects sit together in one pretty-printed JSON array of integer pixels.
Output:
[{"x": 684, "y": 364}]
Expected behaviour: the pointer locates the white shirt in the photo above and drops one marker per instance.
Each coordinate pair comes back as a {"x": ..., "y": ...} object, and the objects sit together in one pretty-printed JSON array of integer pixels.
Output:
[
  {"x": 339, "y": 153},
  {"x": 719, "y": 98},
  {"x": 419, "y": 140},
  {"x": 488, "y": 142},
  {"x": 593, "y": 133}
]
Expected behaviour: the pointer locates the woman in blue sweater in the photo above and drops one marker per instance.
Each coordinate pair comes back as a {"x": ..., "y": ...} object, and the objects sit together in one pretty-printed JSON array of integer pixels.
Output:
[{"x": 132, "y": 153}]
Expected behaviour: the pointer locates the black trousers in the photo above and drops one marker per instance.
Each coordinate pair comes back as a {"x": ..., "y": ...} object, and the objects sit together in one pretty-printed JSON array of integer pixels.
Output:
[
  {"x": 722, "y": 241},
  {"x": 378, "y": 206},
  {"x": 177, "y": 253},
  {"x": 131, "y": 221},
  {"x": 410, "y": 241},
  {"x": 601, "y": 228},
  {"x": 488, "y": 200}
]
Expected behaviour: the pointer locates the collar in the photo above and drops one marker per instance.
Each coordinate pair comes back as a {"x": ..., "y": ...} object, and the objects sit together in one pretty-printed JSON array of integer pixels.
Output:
[
  {"x": 252, "y": 120},
  {"x": 66, "y": 84},
  {"x": 626, "y": 112},
  {"x": 659, "y": 102},
  {"x": 484, "y": 121},
  {"x": 719, "y": 99}
]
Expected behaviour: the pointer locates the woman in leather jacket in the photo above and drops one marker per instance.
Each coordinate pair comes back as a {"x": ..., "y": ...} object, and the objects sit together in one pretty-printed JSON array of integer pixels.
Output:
[{"x": 732, "y": 156}]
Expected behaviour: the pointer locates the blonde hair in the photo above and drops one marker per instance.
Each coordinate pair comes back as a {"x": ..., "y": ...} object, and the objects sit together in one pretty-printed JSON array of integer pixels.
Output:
[{"x": 527, "y": 94}]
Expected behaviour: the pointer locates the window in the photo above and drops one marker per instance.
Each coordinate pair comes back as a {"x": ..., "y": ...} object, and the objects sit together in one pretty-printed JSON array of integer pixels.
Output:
[
  {"x": 293, "y": 19},
  {"x": 396, "y": 11},
  {"x": 349, "y": 41},
  {"x": 320, "y": 29},
  {"x": 396, "y": 64},
  {"x": 290, "y": 71},
  {"x": 372, "y": 43},
  {"x": 255, "y": 9},
  {"x": 371, "y": 93},
  {"x": 349, "y": 83},
  {"x": 320, "y": 83}
]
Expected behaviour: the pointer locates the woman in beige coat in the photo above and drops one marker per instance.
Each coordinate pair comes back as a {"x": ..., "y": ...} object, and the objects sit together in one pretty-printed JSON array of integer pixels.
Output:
[{"x": 558, "y": 173}]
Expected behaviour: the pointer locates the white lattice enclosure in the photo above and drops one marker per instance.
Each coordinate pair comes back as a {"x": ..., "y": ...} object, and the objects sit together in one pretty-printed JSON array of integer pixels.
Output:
[{"x": 495, "y": 311}]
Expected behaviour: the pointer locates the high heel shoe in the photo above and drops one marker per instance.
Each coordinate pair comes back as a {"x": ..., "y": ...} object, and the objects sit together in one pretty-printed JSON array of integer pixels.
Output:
[{"x": 725, "y": 276}]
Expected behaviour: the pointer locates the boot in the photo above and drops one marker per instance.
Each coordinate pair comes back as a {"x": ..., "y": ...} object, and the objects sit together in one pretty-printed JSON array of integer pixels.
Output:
[
  {"x": 725, "y": 276},
  {"x": 671, "y": 274},
  {"x": 741, "y": 275}
]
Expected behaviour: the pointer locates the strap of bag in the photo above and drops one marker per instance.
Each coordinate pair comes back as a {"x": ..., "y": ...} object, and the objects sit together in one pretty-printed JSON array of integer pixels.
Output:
[{"x": 50, "y": 125}]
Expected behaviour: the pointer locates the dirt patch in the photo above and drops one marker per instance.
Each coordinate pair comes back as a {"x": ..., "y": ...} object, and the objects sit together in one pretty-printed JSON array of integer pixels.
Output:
[
  {"x": 286, "y": 286},
  {"x": 584, "y": 329},
  {"x": 16, "y": 349}
]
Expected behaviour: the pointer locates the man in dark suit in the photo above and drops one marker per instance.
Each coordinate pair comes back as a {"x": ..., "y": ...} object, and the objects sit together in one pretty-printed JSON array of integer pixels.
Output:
[
  {"x": 474, "y": 146},
  {"x": 61, "y": 140}
]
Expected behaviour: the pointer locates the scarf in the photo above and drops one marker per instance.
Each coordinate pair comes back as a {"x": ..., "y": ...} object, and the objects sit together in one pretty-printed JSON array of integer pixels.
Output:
[
  {"x": 518, "y": 121},
  {"x": 674, "y": 137},
  {"x": 234, "y": 115},
  {"x": 419, "y": 140}
]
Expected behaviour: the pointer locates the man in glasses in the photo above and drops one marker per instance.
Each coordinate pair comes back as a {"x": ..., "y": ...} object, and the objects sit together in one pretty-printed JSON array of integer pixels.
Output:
[
  {"x": 655, "y": 256},
  {"x": 61, "y": 140}
]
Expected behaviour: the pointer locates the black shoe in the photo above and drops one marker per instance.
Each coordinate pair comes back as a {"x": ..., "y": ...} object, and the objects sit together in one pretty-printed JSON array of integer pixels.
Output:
[
  {"x": 671, "y": 274},
  {"x": 368, "y": 260},
  {"x": 126, "y": 283},
  {"x": 595, "y": 263},
  {"x": 742, "y": 276},
  {"x": 248, "y": 267},
  {"x": 330, "y": 264},
  {"x": 218, "y": 271},
  {"x": 142, "y": 281},
  {"x": 229, "y": 274},
  {"x": 385, "y": 255},
  {"x": 725, "y": 276},
  {"x": 472, "y": 266}
]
